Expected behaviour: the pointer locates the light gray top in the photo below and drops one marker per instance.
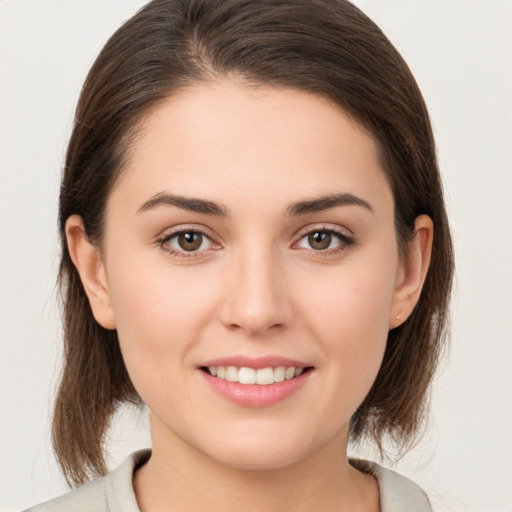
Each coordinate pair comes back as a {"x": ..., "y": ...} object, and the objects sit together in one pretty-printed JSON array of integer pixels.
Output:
[{"x": 114, "y": 492}]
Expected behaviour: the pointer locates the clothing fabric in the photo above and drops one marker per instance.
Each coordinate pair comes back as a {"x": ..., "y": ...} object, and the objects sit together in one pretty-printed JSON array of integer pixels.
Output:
[{"x": 114, "y": 492}]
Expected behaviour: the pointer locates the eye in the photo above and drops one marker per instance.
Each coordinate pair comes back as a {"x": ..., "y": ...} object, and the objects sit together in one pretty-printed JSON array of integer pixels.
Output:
[
  {"x": 188, "y": 241},
  {"x": 324, "y": 240}
]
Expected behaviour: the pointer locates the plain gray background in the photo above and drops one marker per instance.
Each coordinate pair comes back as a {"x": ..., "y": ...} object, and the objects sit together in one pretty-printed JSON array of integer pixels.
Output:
[{"x": 461, "y": 54}]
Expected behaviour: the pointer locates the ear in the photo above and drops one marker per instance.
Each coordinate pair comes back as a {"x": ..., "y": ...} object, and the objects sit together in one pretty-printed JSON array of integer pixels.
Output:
[
  {"x": 87, "y": 259},
  {"x": 412, "y": 272}
]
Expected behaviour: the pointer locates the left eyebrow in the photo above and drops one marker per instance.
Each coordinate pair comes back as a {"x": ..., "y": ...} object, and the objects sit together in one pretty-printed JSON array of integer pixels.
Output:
[{"x": 325, "y": 203}]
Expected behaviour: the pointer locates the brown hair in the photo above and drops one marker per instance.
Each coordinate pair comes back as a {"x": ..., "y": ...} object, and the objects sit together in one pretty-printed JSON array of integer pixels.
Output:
[{"x": 326, "y": 47}]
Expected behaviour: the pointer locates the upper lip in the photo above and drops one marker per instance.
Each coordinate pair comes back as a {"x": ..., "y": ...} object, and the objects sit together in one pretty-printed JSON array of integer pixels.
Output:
[{"x": 256, "y": 362}]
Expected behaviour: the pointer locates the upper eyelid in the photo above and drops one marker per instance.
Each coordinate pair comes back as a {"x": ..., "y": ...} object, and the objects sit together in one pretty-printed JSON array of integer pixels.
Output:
[
  {"x": 171, "y": 232},
  {"x": 342, "y": 237},
  {"x": 322, "y": 226}
]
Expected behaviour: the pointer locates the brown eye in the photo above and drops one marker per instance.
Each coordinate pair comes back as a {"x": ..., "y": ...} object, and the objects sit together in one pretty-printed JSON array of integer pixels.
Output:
[
  {"x": 325, "y": 241},
  {"x": 190, "y": 240},
  {"x": 319, "y": 240},
  {"x": 186, "y": 243}
]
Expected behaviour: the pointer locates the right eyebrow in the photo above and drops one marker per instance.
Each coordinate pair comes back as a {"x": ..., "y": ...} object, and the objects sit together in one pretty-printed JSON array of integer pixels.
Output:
[{"x": 191, "y": 204}]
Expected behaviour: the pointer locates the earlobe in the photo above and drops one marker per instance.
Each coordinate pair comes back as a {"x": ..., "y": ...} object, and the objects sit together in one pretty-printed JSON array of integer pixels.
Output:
[
  {"x": 88, "y": 261},
  {"x": 412, "y": 272}
]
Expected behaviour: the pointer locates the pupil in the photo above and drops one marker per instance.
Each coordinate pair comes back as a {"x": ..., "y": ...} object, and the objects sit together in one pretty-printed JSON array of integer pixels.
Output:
[
  {"x": 190, "y": 241},
  {"x": 319, "y": 240}
]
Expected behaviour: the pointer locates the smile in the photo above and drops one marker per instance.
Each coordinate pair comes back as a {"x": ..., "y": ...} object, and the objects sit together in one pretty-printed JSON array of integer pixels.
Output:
[
  {"x": 261, "y": 376},
  {"x": 256, "y": 381}
]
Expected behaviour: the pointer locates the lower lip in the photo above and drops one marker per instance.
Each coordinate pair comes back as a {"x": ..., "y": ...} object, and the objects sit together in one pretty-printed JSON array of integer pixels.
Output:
[{"x": 254, "y": 395}]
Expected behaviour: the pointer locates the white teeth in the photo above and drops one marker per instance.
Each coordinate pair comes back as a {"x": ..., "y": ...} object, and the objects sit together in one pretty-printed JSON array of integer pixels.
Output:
[
  {"x": 247, "y": 375},
  {"x": 279, "y": 373},
  {"x": 232, "y": 374},
  {"x": 262, "y": 376},
  {"x": 290, "y": 373},
  {"x": 265, "y": 376}
]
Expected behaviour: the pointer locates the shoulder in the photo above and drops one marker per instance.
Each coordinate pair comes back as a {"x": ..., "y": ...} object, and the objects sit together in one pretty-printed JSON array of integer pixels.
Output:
[
  {"x": 397, "y": 493},
  {"x": 90, "y": 496},
  {"x": 110, "y": 493}
]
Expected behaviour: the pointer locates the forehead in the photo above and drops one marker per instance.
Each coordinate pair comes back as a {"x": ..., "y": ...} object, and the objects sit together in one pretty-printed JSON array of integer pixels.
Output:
[{"x": 237, "y": 143}]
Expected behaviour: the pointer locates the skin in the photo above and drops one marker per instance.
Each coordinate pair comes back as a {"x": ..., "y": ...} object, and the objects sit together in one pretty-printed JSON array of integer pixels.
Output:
[{"x": 255, "y": 287}]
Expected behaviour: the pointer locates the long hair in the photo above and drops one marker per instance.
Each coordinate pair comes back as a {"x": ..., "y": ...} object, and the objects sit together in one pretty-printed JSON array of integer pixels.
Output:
[{"x": 325, "y": 47}]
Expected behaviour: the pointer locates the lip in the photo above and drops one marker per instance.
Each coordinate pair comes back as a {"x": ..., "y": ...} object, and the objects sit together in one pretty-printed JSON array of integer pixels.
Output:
[
  {"x": 256, "y": 362},
  {"x": 255, "y": 395}
]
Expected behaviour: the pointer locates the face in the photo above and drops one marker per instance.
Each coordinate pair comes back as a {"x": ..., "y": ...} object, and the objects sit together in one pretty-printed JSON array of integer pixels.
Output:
[{"x": 251, "y": 232}]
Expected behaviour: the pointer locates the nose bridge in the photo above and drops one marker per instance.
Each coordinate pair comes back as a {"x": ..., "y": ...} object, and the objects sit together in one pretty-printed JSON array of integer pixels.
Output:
[{"x": 256, "y": 297}]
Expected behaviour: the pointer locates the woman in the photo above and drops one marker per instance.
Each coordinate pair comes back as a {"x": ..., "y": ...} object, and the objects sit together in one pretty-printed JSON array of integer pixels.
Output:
[{"x": 255, "y": 246}]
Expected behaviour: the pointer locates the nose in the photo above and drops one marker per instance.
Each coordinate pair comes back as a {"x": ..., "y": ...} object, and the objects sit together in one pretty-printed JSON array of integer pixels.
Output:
[{"x": 256, "y": 299}]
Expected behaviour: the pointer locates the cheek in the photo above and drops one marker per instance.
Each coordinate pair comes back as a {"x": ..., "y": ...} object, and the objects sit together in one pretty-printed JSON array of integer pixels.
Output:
[
  {"x": 352, "y": 302},
  {"x": 160, "y": 312},
  {"x": 347, "y": 311},
  {"x": 160, "y": 317}
]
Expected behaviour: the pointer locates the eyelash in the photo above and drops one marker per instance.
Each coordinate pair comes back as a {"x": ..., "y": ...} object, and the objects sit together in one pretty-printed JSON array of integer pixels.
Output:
[
  {"x": 345, "y": 242},
  {"x": 163, "y": 243}
]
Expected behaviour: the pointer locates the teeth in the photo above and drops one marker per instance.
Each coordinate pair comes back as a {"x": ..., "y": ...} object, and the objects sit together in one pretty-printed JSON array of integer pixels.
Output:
[
  {"x": 232, "y": 374},
  {"x": 262, "y": 376},
  {"x": 279, "y": 374},
  {"x": 247, "y": 376},
  {"x": 265, "y": 376}
]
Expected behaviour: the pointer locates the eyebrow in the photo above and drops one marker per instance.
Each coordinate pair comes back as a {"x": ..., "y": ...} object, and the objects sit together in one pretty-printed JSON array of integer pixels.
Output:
[
  {"x": 191, "y": 204},
  {"x": 210, "y": 208},
  {"x": 327, "y": 202}
]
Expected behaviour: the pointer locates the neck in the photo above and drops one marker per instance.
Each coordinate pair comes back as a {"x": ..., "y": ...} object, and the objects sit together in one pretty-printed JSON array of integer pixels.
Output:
[{"x": 179, "y": 477}]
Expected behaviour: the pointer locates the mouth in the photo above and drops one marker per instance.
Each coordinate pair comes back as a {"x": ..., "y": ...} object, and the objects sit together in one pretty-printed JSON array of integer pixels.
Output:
[
  {"x": 261, "y": 376},
  {"x": 256, "y": 381}
]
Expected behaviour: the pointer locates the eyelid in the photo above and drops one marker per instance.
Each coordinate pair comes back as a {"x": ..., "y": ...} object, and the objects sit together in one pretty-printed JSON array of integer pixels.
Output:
[
  {"x": 168, "y": 235},
  {"x": 345, "y": 236},
  {"x": 323, "y": 226}
]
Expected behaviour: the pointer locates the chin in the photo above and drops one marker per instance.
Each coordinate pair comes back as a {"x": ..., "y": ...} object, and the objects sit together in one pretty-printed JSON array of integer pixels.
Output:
[
  {"x": 259, "y": 461},
  {"x": 261, "y": 456}
]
